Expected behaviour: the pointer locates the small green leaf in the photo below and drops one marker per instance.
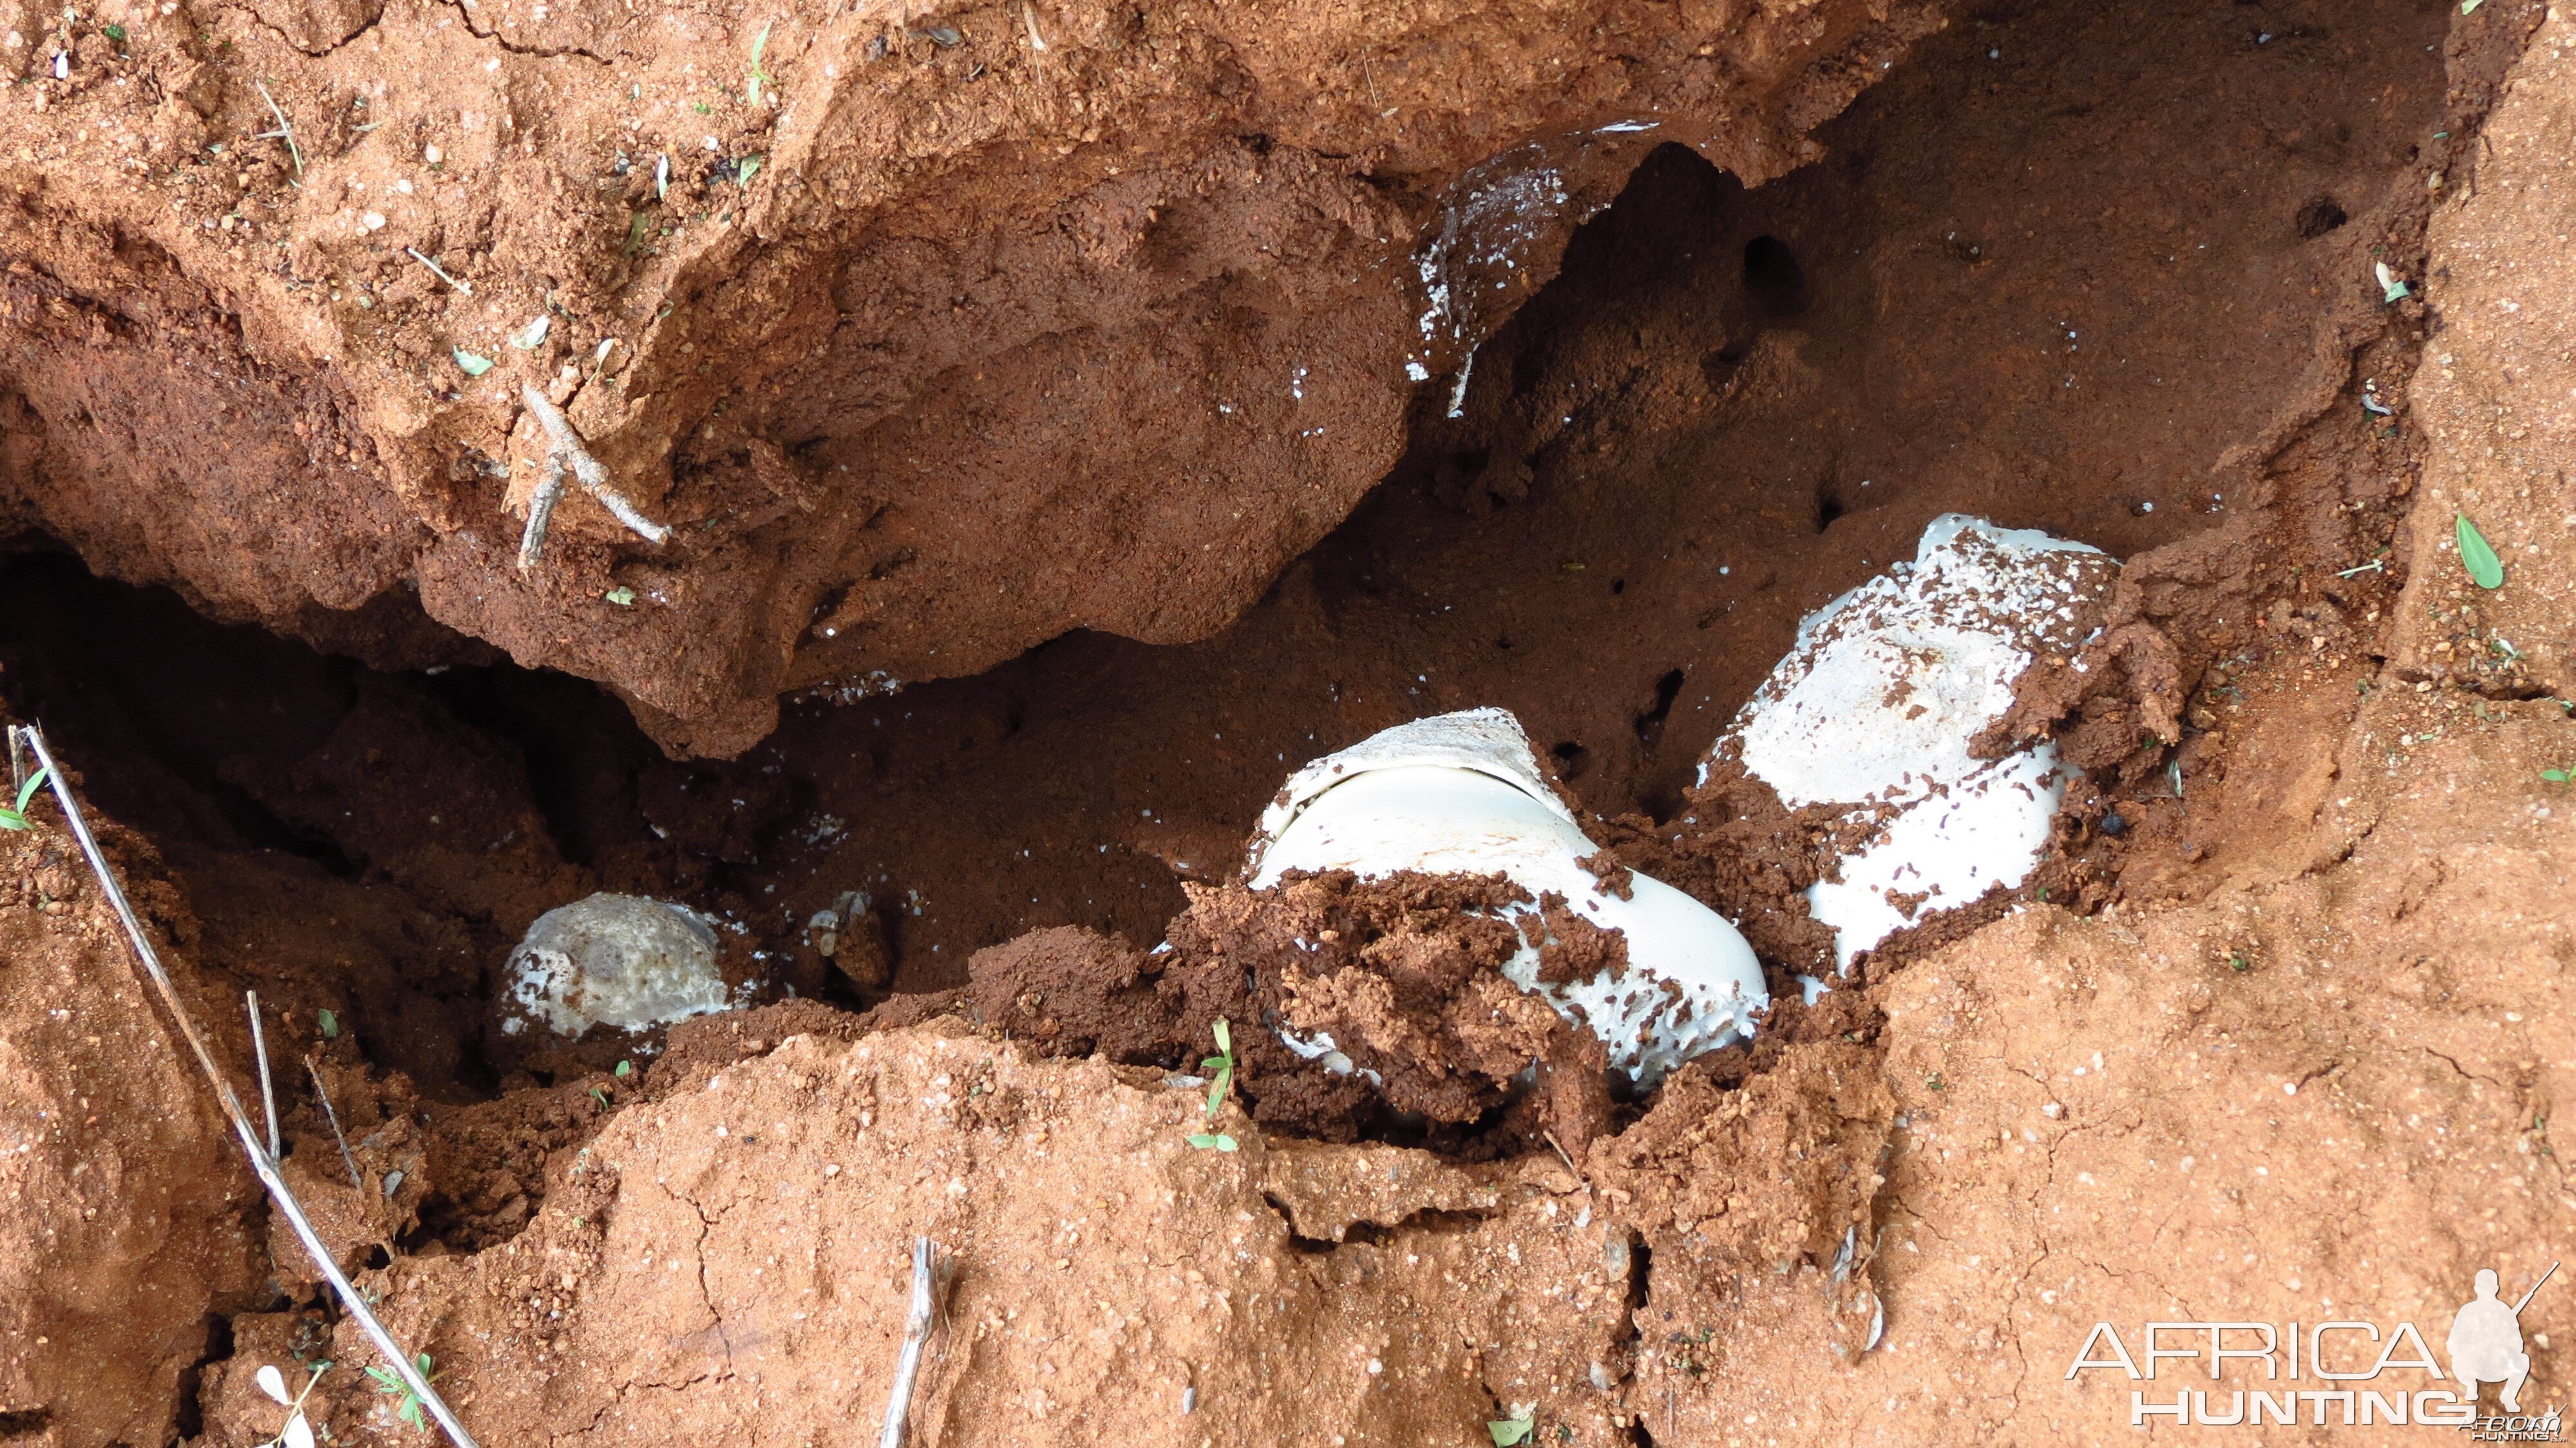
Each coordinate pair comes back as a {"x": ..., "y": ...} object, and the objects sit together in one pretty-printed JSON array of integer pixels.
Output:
[
  {"x": 117, "y": 32},
  {"x": 748, "y": 167},
  {"x": 621, "y": 595},
  {"x": 473, "y": 365},
  {"x": 600, "y": 1096},
  {"x": 529, "y": 337},
  {"x": 2554, "y": 776},
  {"x": 35, "y": 781},
  {"x": 330, "y": 1025},
  {"x": 422, "y": 1362},
  {"x": 2470, "y": 7},
  {"x": 1508, "y": 1432},
  {"x": 1216, "y": 1089},
  {"x": 1212, "y": 1141},
  {"x": 625, "y": 1069},
  {"x": 2477, "y": 557},
  {"x": 387, "y": 1380},
  {"x": 759, "y": 43},
  {"x": 2391, "y": 289}
]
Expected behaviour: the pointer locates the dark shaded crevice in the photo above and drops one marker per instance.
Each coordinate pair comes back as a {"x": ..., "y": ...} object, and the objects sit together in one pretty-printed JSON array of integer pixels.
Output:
[
  {"x": 191, "y": 1419},
  {"x": 537, "y": 52},
  {"x": 1773, "y": 281},
  {"x": 1650, "y": 724},
  {"x": 1431, "y": 1221},
  {"x": 150, "y": 699}
]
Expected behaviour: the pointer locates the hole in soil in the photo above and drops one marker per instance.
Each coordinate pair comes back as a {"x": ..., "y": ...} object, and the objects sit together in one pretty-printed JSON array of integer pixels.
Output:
[
  {"x": 1970, "y": 307},
  {"x": 2321, "y": 215},
  {"x": 1773, "y": 280}
]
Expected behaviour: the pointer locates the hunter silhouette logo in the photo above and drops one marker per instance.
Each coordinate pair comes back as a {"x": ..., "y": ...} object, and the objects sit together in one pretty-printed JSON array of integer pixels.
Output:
[
  {"x": 2486, "y": 1340},
  {"x": 2363, "y": 1376}
]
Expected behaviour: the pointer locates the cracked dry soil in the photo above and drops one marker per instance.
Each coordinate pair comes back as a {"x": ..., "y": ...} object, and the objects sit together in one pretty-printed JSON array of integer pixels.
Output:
[{"x": 2283, "y": 1046}]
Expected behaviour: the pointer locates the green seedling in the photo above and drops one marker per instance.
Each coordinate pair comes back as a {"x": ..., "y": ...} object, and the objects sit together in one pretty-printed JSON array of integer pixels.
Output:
[
  {"x": 113, "y": 32},
  {"x": 600, "y": 1096},
  {"x": 2391, "y": 289},
  {"x": 625, "y": 1069},
  {"x": 298, "y": 1432},
  {"x": 759, "y": 43},
  {"x": 1221, "y": 1067},
  {"x": 1509, "y": 1432},
  {"x": 391, "y": 1384},
  {"x": 2477, "y": 555},
  {"x": 15, "y": 816},
  {"x": 621, "y": 595},
  {"x": 2555, "y": 776},
  {"x": 330, "y": 1025},
  {"x": 472, "y": 364}
]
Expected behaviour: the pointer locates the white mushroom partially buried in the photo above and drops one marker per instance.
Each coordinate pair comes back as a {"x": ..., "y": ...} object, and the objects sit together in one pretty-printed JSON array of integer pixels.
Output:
[
  {"x": 1462, "y": 793},
  {"x": 622, "y": 962},
  {"x": 1875, "y": 708}
]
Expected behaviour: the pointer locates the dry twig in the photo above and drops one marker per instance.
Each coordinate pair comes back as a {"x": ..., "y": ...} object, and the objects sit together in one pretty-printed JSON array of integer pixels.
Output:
[
  {"x": 262, "y": 1162},
  {"x": 565, "y": 450},
  {"x": 267, "y": 1093},
  {"x": 322, "y": 1094},
  {"x": 285, "y": 130},
  {"x": 438, "y": 271},
  {"x": 930, "y": 1272}
]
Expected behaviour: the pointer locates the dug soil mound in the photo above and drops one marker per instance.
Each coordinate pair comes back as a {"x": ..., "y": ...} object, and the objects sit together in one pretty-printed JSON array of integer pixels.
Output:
[{"x": 2270, "y": 306}]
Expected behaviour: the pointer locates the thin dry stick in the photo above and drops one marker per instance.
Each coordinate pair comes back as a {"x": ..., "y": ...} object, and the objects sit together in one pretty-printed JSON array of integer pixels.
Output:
[
  {"x": 261, "y": 1162},
  {"x": 541, "y": 511},
  {"x": 566, "y": 448},
  {"x": 284, "y": 132},
  {"x": 929, "y": 1274},
  {"x": 439, "y": 272},
  {"x": 267, "y": 1093},
  {"x": 323, "y": 1095}
]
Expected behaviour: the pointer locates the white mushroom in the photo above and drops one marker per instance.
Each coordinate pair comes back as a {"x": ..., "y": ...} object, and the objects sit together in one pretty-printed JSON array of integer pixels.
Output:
[
  {"x": 1876, "y": 705},
  {"x": 1462, "y": 793}
]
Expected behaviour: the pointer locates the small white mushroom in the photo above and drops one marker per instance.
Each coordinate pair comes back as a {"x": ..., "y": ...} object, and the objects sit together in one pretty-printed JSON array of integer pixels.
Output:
[
  {"x": 1876, "y": 705},
  {"x": 1462, "y": 793}
]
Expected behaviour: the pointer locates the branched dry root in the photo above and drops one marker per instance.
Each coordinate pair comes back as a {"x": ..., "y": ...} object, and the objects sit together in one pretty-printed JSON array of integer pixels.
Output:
[{"x": 565, "y": 451}]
